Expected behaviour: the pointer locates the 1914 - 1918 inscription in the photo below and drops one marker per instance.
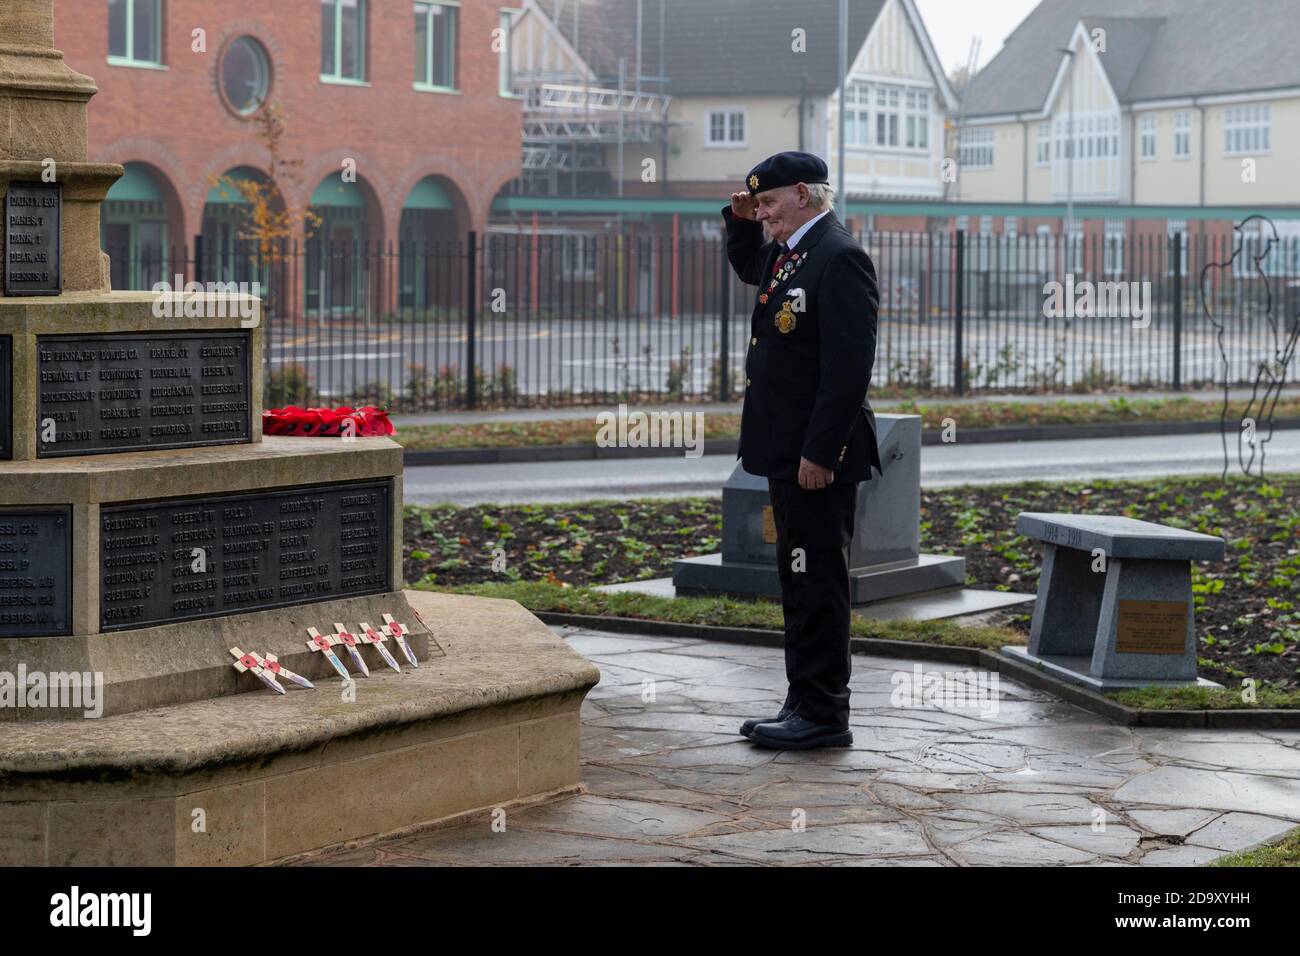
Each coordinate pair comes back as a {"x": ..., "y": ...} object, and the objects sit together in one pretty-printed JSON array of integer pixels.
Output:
[
  {"x": 33, "y": 239},
  {"x": 137, "y": 392},
  {"x": 228, "y": 554},
  {"x": 35, "y": 572}
]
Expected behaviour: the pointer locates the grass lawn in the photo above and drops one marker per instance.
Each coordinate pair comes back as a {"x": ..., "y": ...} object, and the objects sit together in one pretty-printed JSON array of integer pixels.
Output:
[
  {"x": 1284, "y": 853},
  {"x": 1003, "y": 414}
]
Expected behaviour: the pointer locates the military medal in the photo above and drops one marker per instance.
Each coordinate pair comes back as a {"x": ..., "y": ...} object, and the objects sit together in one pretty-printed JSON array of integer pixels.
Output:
[
  {"x": 785, "y": 319},
  {"x": 783, "y": 274}
]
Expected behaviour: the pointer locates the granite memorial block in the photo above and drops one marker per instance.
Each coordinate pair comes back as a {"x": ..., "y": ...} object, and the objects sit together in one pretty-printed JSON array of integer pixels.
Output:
[
  {"x": 1114, "y": 605},
  {"x": 884, "y": 557}
]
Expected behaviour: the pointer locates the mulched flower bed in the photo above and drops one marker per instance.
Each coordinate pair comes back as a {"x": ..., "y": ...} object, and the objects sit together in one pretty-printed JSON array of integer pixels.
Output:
[{"x": 1247, "y": 610}]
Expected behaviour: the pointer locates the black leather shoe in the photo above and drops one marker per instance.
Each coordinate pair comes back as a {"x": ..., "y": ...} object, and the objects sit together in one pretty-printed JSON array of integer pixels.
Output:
[
  {"x": 747, "y": 728},
  {"x": 795, "y": 733}
]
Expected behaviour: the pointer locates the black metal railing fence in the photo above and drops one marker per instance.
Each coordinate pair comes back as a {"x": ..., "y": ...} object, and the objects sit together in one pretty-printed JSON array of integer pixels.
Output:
[{"x": 509, "y": 319}]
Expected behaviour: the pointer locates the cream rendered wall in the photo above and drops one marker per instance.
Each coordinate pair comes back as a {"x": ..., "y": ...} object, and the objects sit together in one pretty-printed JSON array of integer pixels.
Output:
[
  {"x": 1166, "y": 180},
  {"x": 771, "y": 126},
  {"x": 1003, "y": 182},
  {"x": 1276, "y": 181}
]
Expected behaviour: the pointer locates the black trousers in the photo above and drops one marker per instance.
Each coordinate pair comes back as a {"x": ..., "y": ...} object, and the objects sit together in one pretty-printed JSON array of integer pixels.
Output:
[{"x": 813, "y": 531}]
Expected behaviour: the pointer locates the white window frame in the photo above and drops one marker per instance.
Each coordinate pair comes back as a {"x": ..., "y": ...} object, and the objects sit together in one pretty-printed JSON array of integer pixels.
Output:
[
  {"x": 129, "y": 58},
  {"x": 916, "y": 110},
  {"x": 1173, "y": 227},
  {"x": 975, "y": 148},
  {"x": 1043, "y": 148},
  {"x": 728, "y": 113},
  {"x": 1247, "y": 130},
  {"x": 857, "y": 117},
  {"x": 889, "y": 111},
  {"x": 1183, "y": 135},
  {"x": 1113, "y": 239},
  {"x": 1147, "y": 137}
]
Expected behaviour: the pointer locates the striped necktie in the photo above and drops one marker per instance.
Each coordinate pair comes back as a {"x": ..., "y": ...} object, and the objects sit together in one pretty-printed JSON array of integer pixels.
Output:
[{"x": 785, "y": 254}]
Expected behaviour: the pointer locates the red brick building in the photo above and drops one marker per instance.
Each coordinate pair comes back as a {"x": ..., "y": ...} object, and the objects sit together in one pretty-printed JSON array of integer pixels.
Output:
[{"x": 411, "y": 96}]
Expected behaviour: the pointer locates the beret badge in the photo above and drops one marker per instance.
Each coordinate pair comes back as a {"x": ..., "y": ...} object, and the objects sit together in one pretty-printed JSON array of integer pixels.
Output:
[{"x": 753, "y": 183}]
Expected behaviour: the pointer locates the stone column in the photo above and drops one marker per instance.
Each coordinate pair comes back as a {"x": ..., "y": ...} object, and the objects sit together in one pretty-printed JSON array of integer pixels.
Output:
[{"x": 43, "y": 136}]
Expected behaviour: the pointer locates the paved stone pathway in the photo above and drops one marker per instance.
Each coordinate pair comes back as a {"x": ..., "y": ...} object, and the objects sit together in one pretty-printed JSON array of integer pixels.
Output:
[{"x": 1019, "y": 778}]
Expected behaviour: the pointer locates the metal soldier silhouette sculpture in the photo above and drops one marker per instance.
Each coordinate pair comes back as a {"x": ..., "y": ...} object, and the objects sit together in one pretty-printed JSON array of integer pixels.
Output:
[{"x": 806, "y": 425}]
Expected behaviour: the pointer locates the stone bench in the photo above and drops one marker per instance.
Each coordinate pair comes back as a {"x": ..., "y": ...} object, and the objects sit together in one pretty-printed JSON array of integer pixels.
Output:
[{"x": 1114, "y": 605}]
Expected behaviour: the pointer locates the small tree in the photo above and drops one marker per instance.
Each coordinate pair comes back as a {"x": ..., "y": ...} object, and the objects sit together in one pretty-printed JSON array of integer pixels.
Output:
[{"x": 269, "y": 219}]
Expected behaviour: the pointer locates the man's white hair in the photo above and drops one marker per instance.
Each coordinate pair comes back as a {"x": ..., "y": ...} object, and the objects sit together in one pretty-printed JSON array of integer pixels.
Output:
[{"x": 821, "y": 196}]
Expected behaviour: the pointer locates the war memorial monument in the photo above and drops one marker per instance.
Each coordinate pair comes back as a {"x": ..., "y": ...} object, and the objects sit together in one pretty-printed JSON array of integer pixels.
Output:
[{"x": 147, "y": 528}]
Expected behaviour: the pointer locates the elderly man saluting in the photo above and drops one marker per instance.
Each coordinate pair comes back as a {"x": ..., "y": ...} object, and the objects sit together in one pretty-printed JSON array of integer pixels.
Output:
[{"x": 806, "y": 425}]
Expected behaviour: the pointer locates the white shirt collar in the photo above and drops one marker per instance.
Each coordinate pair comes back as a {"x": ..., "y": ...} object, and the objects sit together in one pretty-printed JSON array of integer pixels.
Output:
[{"x": 799, "y": 233}]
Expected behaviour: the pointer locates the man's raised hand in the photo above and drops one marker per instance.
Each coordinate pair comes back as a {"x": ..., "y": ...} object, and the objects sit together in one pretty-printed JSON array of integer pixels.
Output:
[{"x": 744, "y": 206}]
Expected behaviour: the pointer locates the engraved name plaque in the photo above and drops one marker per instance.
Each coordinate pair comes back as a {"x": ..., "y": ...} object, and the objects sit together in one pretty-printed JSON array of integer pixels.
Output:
[
  {"x": 33, "y": 239},
  {"x": 35, "y": 572},
  {"x": 141, "y": 392},
  {"x": 229, "y": 554},
  {"x": 1151, "y": 627}
]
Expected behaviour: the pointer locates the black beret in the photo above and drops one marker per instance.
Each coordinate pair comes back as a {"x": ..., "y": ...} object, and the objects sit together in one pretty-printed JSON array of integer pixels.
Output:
[{"x": 786, "y": 169}]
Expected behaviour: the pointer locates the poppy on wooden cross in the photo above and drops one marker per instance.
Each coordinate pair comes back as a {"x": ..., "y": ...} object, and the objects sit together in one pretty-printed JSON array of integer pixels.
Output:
[
  {"x": 250, "y": 663},
  {"x": 376, "y": 638},
  {"x": 398, "y": 633},
  {"x": 349, "y": 640},
  {"x": 324, "y": 644}
]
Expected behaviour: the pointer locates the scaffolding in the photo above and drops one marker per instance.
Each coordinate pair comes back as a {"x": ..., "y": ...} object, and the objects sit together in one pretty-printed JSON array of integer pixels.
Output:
[{"x": 576, "y": 128}]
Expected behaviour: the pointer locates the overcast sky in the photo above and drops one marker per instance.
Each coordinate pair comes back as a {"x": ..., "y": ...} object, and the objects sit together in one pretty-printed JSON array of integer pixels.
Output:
[{"x": 952, "y": 24}]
